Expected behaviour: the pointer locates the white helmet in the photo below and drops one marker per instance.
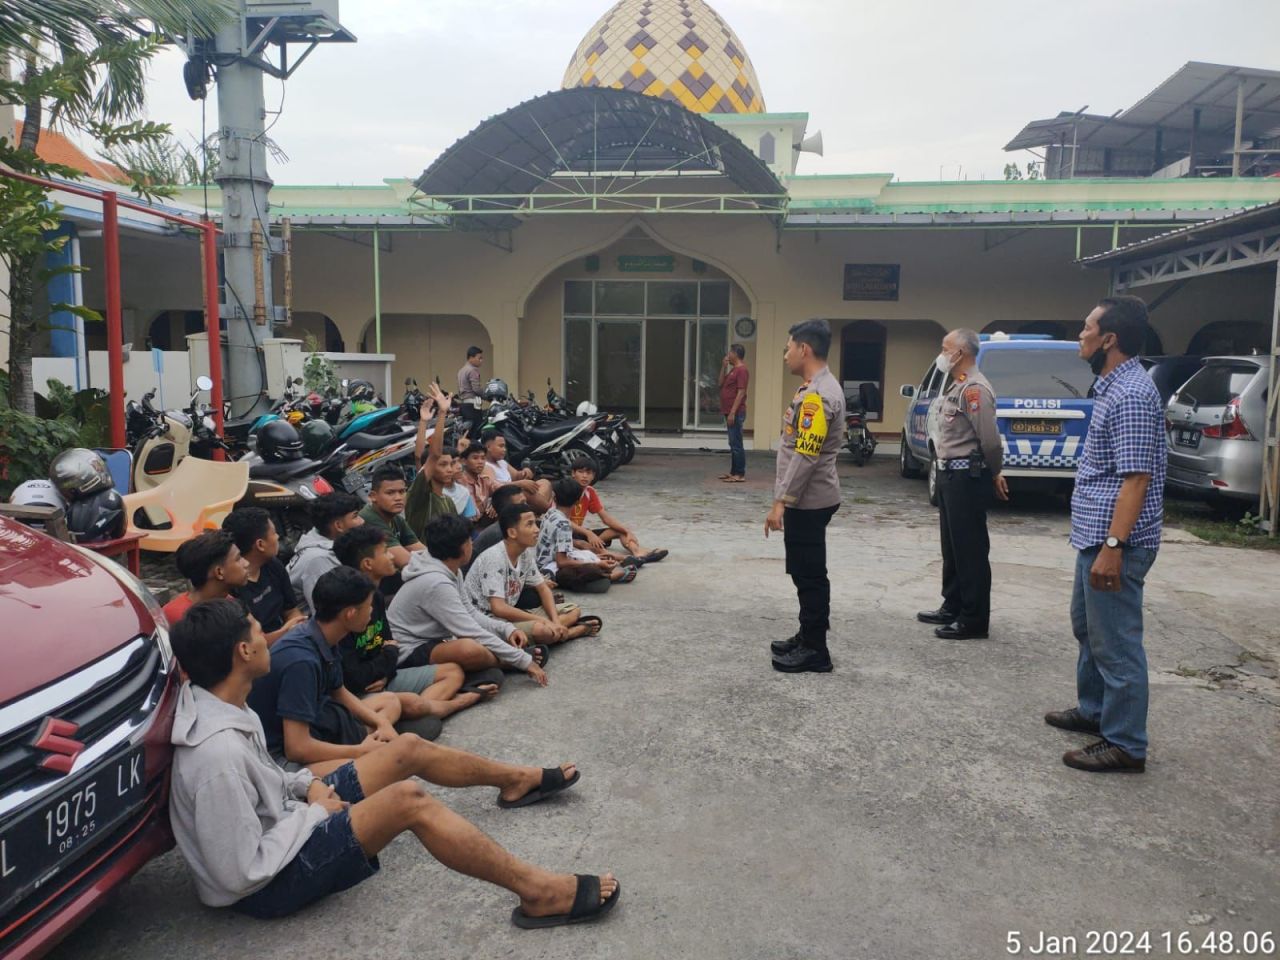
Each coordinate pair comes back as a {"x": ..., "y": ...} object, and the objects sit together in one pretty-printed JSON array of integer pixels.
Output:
[
  {"x": 37, "y": 493},
  {"x": 587, "y": 409}
]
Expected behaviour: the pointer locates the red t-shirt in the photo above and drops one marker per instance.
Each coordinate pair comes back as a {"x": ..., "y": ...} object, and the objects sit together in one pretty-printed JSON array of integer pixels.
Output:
[
  {"x": 177, "y": 608},
  {"x": 589, "y": 502},
  {"x": 735, "y": 380}
]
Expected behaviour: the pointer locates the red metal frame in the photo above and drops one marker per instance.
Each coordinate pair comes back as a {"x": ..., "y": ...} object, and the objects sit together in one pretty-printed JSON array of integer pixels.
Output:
[{"x": 111, "y": 202}]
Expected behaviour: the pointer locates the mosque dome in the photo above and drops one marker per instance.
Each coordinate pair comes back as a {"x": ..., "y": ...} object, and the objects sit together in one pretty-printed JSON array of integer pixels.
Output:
[{"x": 678, "y": 50}]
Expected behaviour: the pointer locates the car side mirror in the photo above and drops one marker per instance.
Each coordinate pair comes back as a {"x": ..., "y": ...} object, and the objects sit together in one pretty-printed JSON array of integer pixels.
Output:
[{"x": 907, "y": 390}]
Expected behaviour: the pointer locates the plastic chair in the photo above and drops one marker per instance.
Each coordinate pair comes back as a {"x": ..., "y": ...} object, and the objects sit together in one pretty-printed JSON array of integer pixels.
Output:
[
  {"x": 120, "y": 465},
  {"x": 195, "y": 497}
]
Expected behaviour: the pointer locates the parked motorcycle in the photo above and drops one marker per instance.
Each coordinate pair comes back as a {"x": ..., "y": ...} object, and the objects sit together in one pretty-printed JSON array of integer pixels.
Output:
[
  {"x": 858, "y": 438},
  {"x": 161, "y": 439}
]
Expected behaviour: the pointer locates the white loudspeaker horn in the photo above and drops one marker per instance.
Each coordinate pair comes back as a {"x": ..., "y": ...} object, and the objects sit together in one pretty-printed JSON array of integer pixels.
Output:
[{"x": 811, "y": 144}]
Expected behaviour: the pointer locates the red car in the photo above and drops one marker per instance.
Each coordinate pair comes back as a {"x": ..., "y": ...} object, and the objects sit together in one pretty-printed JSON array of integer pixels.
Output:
[{"x": 87, "y": 692}]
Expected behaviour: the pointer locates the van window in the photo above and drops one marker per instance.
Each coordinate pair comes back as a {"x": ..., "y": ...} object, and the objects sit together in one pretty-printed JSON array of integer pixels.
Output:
[
  {"x": 929, "y": 385},
  {"x": 1216, "y": 384},
  {"x": 1039, "y": 373}
]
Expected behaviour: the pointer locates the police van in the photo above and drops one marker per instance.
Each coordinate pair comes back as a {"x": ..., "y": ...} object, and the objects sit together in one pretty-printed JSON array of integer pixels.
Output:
[{"x": 1043, "y": 408}]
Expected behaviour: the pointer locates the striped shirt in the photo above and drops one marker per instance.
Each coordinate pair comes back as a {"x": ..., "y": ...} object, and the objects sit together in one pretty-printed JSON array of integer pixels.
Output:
[{"x": 1126, "y": 436}]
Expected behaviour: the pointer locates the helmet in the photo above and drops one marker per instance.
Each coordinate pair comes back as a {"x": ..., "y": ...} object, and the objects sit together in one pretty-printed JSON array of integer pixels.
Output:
[
  {"x": 99, "y": 516},
  {"x": 37, "y": 493},
  {"x": 278, "y": 441},
  {"x": 587, "y": 409},
  {"x": 316, "y": 436},
  {"x": 294, "y": 417},
  {"x": 361, "y": 390},
  {"x": 496, "y": 390},
  {"x": 79, "y": 472}
]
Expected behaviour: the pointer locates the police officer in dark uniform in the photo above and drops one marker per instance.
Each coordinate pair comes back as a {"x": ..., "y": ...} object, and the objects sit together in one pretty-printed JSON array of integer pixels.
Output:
[{"x": 969, "y": 459}]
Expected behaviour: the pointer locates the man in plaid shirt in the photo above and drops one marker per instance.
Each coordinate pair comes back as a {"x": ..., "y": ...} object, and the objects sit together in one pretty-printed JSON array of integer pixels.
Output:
[{"x": 1116, "y": 514}]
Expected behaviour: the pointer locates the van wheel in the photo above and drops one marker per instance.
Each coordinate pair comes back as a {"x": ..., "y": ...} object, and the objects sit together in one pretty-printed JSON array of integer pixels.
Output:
[
  {"x": 933, "y": 482},
  {"x": 908, "y": 466}
]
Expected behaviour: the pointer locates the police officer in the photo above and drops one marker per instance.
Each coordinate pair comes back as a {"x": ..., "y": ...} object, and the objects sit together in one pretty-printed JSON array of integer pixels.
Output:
[
  {"x": 807, "y": 493},
  {"x": 969, "y": 458}
]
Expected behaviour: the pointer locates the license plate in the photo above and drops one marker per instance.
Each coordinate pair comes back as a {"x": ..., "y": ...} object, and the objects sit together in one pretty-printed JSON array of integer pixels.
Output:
[
  {"x": 34, "y": 846},
  {"x": 1040, "y": 427},
  {"x": 1186, "y": 438},
  {"x": 595, "y": 443}
]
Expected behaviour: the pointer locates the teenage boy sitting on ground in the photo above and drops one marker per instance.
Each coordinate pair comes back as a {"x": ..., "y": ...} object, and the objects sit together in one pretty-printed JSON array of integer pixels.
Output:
[
  {"x": 427, "y": 498},
  {"x": 331, "y": 515},
  {"x": 499, "y": 575},
  {"x": 215, "y": 568},
  {"x": 267, "y": 592},
  {"x": 385, "y": 511},
  {"x": 307, "y": 713},
  {"x": 479, "y": 480},
  {"x": 370, "y": 656},
  {"x": 562, "y": 562},
  {"x": 460, "y": 495},
  {"x": 613, "y": 529},
  {"x": 267, "y": 843},
  {"x": 491, "y": 535},
  {"x": 435, "y": 622},
  {"x": 495, "y": 451}
]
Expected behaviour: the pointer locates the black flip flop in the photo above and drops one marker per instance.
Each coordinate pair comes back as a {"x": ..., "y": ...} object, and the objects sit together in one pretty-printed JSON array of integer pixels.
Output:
[
  {"x": 553, "y": 782},
  {"x": 493, "y": 677},
  {"x": 586, "y": 907},
  {"x": 541, "y": 653},
  {"x": 591, "y": 618},
  {"x": 630, "y": 562},
  {"x": 653, "y": 556}
]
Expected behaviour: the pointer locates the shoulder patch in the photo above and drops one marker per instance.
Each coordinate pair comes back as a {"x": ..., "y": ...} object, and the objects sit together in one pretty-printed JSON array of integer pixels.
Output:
[
  {"x": 973, "y": 397},
  {"x": 811, "y": 431}
]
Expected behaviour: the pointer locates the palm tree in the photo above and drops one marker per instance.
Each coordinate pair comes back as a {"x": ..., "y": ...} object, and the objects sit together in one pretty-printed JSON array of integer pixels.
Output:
[{"x": 83, "y": 64}]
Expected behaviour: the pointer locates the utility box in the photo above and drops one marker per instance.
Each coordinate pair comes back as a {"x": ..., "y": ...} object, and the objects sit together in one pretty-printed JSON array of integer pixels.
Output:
[
  {"x": 283, "y": 360},
  {"x": 293, "y": 8},
  {"x": 198, "y": 360}
]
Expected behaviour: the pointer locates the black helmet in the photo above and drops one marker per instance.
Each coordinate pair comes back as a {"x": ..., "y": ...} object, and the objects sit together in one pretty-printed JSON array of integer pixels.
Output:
[
  {"x": 278, "y": 441},
  {"x": 79, "y": 472},
  {"x": 316, "y": 435},
  {"x": 99, "y": 516},
  {"x": 496, "y": 390},
  {"x": 361, "y": 390}
]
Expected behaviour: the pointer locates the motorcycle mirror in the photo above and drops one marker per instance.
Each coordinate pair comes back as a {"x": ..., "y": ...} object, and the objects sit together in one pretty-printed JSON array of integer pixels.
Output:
[
  {"x": 204, "y": 383},
  {"x": 410, "y": 382},
  {"x": 345, "y": 381}
]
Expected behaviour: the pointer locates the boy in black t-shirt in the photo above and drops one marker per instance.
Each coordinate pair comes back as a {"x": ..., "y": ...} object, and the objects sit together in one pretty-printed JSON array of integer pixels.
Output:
[
  {"x": 369, "y": 656},
  {"x": 268, "y": 595}
]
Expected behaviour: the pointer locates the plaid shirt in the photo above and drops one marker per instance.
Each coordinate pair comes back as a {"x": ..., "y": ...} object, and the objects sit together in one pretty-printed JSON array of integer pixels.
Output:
[{"x": 1126, "y": 435}]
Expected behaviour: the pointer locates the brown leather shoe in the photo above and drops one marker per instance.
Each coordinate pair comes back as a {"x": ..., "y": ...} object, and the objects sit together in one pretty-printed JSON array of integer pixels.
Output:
[
  {"x": 1072, "y": 720},
  {"x": 1102, "y": 756}
]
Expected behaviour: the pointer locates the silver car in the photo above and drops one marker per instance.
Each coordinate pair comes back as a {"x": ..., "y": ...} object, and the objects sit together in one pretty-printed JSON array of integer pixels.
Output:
[{"x": 1216, "y": 422}]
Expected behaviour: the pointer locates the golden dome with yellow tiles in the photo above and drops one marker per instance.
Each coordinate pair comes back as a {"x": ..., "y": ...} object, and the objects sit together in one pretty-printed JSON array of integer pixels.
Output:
[{"x": 678, "y": 50}]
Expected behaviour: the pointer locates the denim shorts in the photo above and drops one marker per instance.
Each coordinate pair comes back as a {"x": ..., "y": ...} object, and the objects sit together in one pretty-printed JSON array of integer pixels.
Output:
[{"x": 331, "y": 860}]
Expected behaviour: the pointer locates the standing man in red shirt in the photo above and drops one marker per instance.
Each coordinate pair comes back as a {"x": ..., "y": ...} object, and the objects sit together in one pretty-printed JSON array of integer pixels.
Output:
[{"x": 733, "y": 404}]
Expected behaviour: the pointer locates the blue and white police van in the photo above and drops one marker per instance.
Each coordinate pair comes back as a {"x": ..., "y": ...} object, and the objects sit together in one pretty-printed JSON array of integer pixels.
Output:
[{"x": 1043, "y": 408}]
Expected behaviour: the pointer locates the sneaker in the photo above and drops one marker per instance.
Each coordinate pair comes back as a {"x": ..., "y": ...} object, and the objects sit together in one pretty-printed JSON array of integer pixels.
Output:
[
  {"x": 803, "y": 660},
  {"x": 1072, "y": 720},
  {"x": 780, "y": 647},
  {"x": 1103, "y": 756}
]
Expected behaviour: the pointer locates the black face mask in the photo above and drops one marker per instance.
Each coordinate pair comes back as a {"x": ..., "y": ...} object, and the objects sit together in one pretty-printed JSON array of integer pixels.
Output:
[{"x": 1098, "y": 360}]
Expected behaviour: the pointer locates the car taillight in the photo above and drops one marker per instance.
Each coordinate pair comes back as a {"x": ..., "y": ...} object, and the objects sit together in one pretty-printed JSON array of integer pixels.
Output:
[
  {"x": 1232, "y": 427},
  {"x": 321, "y": 486}
]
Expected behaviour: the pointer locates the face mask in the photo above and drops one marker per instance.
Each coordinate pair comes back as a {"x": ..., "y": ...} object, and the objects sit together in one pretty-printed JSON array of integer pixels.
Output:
[
  {"x": 944, "y": 363},
  {"x": 1098, "y": 360}
]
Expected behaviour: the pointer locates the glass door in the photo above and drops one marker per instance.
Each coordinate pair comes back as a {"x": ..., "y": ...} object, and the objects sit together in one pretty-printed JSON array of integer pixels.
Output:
[
  {"x": 619, "y": 367},
  {"x": 706, "y": 343}
]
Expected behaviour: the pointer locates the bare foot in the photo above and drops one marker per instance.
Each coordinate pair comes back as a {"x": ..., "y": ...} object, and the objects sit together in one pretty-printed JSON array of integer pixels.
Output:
[
  {"x": 558, "y": 893},
  {"x": 447, "y": 708},
  {"x": 529, "y": 779}
]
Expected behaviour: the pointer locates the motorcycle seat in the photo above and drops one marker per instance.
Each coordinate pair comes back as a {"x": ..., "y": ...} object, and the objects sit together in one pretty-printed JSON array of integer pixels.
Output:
[
  {"x": 286, "y": 470},
  {"x": 369, "y": 441},
  {"x": 543, "y": 432}
]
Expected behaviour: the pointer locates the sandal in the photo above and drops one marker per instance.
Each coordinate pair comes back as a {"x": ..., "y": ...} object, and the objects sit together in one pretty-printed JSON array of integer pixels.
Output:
[
  {"x": 553, "y": 782},
  {"x": 653, "y": 556},
  {"x": 586, "y": 907},
  {"x": 725, "y": 476},
  {"x": 541, "y": 653},
  {"x": 591, "y": 621},
  {"x": 628, "y": 574}
]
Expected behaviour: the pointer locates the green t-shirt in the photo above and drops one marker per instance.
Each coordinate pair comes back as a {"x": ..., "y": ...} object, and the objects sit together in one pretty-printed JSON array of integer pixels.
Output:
[
  {"x": 396, "y": 529},
  {"x": 423, "y": 504}
]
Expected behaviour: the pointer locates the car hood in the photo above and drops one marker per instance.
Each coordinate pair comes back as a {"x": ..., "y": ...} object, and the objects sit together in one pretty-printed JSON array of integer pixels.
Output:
[{"x": 60, "y": 608}]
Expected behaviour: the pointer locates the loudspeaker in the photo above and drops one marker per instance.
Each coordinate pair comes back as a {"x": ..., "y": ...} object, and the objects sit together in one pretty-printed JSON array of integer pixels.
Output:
[{"x": 811, "y": 144}]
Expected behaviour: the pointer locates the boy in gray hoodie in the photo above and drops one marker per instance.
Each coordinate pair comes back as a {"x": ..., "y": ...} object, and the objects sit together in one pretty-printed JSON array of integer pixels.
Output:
[
  {"x": 331, "y": 514},
  {"x": 267, "y": 843},
  {"x": 434, "y": 621}
]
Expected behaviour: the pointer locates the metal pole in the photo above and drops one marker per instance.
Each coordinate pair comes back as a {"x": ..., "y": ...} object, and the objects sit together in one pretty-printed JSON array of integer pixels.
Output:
[
  {"x": 115, "y": 324},
  {"x": 1195, "y": 135},
  {"x": 212, "y": 323},
  {"x": 242, "y": 176},
  {"x": 1270, "y": 508},
  {"x": 1235, "y": 149},
  {"x": 377, "y": 295}
]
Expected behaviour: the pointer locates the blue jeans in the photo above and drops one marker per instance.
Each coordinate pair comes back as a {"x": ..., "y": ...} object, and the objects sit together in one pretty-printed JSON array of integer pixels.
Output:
[
  {"x": 737, "y": 455},
  {"x": 1111, "y": 672}
]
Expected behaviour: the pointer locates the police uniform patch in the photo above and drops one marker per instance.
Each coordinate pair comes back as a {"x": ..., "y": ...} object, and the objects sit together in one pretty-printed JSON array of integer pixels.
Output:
[
  {"x": 973, "y": 397},
  {"x": 812, "y": 431}
]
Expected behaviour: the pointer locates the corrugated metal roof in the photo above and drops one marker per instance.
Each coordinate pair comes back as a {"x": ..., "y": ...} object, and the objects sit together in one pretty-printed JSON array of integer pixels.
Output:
[{"x": 1234, "y": 224}]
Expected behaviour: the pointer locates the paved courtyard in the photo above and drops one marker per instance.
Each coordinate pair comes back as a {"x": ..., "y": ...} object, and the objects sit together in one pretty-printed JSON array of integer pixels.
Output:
[{"x": 910, "y": 805}]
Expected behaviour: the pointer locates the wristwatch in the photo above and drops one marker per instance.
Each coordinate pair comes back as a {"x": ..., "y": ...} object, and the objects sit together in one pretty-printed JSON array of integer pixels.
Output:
[{"x": 1115, "y": 543}]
